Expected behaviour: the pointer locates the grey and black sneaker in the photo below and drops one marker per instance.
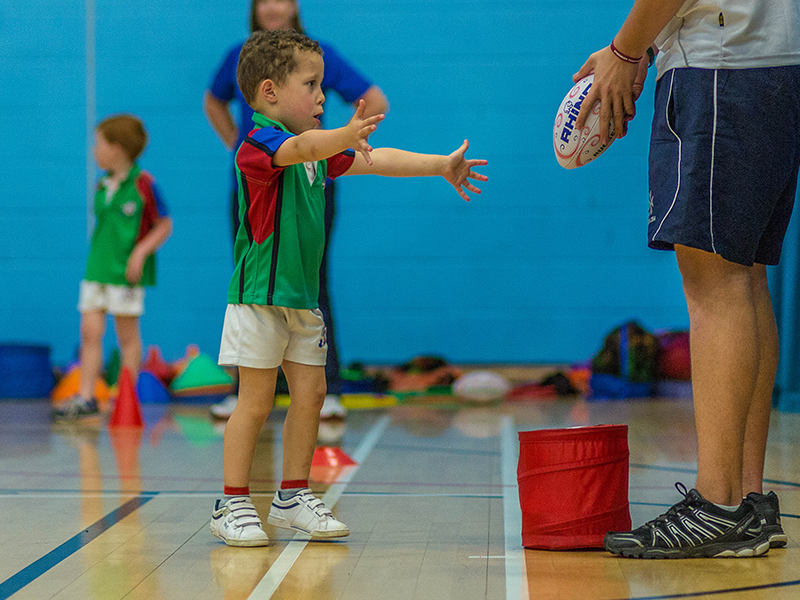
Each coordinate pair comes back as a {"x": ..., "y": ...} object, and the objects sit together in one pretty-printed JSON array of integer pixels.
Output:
[
  {"x": 767, "y": 507},
  {"x": 694, "y": 528},
  {"x": 74, "y": 408}
]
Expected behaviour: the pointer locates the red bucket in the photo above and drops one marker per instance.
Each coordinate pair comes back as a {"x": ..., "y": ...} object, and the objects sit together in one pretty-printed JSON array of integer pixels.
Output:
[{"x": 573, "y": 486}]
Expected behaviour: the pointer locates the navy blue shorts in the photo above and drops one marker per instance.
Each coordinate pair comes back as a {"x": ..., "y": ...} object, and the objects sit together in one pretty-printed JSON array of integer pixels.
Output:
[{"x": 724, "y": 157}]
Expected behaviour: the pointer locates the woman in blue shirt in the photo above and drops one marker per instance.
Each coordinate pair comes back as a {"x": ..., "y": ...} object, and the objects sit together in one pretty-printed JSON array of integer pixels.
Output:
[{"x": 341, "y": 77}]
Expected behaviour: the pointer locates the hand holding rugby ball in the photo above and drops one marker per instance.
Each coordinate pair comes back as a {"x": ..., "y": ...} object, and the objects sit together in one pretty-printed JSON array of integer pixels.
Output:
[{"x": 576, "y": 148}]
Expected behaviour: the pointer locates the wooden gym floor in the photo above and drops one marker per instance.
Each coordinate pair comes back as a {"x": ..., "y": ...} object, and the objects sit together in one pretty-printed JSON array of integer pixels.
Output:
[{"x": 95, "y": 514}]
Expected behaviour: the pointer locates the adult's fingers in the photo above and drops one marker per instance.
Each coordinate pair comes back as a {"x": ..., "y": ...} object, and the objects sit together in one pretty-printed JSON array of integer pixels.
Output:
[{"x": 586, "y": 107}]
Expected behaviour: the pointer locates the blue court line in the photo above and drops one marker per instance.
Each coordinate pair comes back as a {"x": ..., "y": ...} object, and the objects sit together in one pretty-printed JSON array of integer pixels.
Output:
[
  {"x": 412, "y": 495},
  {"x": 694, "y": 471},
  {"x": 662, "y": 468},
  {"x": 437, "y": 450},
  {"x": 751, "y": 588},
  {"x": 36, "y": 569},
  {"x": 206, "y": 493}
]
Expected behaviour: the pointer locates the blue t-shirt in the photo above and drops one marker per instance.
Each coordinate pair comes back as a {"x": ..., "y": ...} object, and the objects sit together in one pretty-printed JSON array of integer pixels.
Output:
[{"x": 340, "y": 76}]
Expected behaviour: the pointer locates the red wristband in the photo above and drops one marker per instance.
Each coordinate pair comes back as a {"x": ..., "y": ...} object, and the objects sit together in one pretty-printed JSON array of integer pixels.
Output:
[{"x": 624, "y": 57}]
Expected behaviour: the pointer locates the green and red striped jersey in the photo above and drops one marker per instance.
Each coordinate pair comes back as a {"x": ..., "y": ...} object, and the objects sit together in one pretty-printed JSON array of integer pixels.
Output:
[
  {"x": 278, "y": 248},
  {"x": 122, "y": 219}
]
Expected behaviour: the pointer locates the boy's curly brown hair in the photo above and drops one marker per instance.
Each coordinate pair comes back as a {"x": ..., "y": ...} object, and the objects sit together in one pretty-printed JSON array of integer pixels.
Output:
[{"x": 270, "y": 55}]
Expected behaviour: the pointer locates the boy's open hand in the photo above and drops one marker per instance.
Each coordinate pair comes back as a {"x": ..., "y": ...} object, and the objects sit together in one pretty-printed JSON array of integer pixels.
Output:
[
  {"x": 359, "y": 130},
  {"x": 134, "y": 268},
  {"x": 459, "y": 169}
]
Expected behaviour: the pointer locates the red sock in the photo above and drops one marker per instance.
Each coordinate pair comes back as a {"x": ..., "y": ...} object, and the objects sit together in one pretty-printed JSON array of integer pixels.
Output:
[
  {"x": 291, "y": 484},
  {"x": 234, "y": 491}
]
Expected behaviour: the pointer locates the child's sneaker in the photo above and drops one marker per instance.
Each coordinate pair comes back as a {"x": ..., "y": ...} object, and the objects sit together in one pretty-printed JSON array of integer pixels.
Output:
[
  {"x": 75, "y": 407},
  {"x": 306, "y": 513},
  {"x": 332, "y": 408},
  {"x": 236, "y": 523},
  {"x": 767, "y": 507},
  {"x": 694, "y": 528},
  {"x": 224, "y": 409}
]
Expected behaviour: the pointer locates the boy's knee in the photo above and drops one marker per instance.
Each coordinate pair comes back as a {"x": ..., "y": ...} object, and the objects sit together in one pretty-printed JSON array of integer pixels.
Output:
[
  {"x": 317, "y": 392},
  {"x": 127, "y": 327},
  {"x": 313, "y": 398},
  {"x": 90, "y": 333},
  {"x": 129, "y": 342},
  {"x": 253, "y": 412}
]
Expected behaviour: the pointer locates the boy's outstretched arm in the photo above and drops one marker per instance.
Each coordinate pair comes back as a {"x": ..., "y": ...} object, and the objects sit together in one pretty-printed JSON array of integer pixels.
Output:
[
  {"x": 319, "y": 144},
  {"x": 391, "y": 162}
]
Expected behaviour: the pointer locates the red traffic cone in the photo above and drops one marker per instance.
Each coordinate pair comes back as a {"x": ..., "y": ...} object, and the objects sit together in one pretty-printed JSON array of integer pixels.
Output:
[
  {"x": 330, "y": 456},
  {"x": 156, "y": 365},
  {"x": 127, "y": 410},
  {"x": 328, "y": 463}
]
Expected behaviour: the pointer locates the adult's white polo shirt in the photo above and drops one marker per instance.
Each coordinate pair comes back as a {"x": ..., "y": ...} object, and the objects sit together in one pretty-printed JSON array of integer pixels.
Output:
[{"x": 731, "y": 34}]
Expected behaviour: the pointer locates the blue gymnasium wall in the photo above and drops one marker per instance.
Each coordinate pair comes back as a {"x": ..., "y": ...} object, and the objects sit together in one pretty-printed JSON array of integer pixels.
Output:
[{"x": 536, "y": 269}]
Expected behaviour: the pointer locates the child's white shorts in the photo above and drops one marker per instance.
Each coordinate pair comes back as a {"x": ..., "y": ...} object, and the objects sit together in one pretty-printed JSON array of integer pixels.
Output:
[
  {"x": 262, "y": 337},
  {"x": 119, "y": 300}
]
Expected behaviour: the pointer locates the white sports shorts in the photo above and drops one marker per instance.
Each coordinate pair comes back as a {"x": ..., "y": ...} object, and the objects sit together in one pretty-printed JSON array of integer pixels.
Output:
[
  {"x": 262, "y": 337},
  {"x": 119, "y": 300}
]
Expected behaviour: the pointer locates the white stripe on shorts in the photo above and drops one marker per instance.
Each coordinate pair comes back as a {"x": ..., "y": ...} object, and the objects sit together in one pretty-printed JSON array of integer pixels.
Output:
[
  {"x": 680, "y": 148},
  {"x": 711, "y": 178}
]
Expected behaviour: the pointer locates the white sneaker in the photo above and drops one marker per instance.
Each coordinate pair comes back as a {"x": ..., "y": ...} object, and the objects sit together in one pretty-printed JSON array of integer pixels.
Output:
[
  {"x": 332, "y": 408},
  {"x": 224, "y": 409},
  {"x": 331, "y": 432},
  {"x": 236, "y": 523},
  {"x": 306, "y": 513}
]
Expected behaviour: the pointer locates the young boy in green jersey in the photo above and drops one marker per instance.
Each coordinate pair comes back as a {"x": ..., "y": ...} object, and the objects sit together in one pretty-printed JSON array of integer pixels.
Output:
[
  {"x": 272, "y": 317},
  {"x": 132, "y": 222}
]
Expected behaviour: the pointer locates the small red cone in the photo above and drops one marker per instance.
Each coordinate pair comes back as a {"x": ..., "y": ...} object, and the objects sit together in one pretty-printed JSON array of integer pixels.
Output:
[
  {"x": 127, "y": 410},
  {"x": 156, "y": 365},
  {"x": 330, "y": 456},
  {"x": 328, "y": 463}
]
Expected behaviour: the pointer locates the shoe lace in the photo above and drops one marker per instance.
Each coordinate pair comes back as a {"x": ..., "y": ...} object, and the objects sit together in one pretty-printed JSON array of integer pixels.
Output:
[{"x": 684, "y": 505}]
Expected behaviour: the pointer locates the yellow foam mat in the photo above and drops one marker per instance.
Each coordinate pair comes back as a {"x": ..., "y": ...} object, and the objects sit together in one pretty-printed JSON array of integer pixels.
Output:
[{"x": 351, "y": 401}]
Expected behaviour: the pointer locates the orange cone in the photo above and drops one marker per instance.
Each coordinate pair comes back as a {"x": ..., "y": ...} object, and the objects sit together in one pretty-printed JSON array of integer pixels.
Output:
[
  {"x": 328, "y": 463},
  {"x": 127, "y": 410},
  {"x": 330, "y": 456},
  {"x": 70, "y": 383}
]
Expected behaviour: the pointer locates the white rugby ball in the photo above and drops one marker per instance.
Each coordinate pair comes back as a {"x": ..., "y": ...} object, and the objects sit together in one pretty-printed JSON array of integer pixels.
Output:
[
  {"x": 481, "y": 386},
  {"x": 576, "y": 148}
]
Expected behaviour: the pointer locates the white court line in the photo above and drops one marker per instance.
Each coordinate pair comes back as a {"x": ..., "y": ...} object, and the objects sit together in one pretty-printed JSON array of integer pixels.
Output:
[
  {"x": 516, "y": 582},
  {"x": 280, "y": 568}
]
